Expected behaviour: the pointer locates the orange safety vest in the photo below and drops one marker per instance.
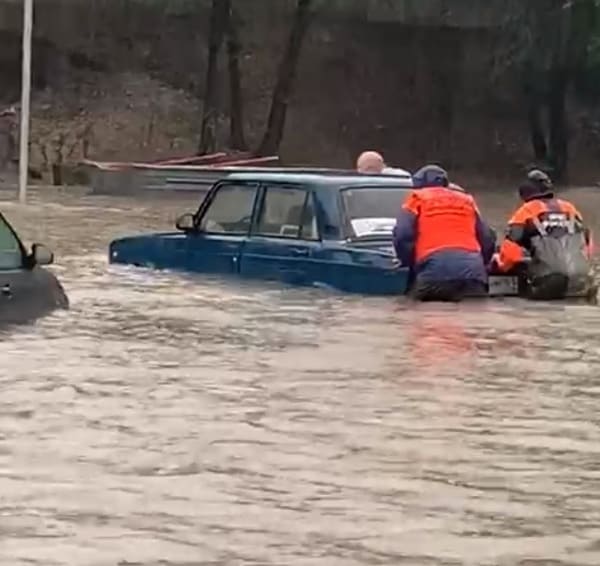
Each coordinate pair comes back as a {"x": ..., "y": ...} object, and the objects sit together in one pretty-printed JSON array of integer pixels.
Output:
[{"x": 446, "y": 219}]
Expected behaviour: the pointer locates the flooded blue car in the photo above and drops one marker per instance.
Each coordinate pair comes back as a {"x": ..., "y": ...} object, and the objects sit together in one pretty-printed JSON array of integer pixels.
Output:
[
  {"x": 319, "y": 229},
  {"x": 309, "y": 229}
]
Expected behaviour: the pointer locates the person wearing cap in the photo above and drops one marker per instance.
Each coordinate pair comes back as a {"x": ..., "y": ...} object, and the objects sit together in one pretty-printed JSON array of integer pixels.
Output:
[
  {"x": 546, "y": 242},
  {"x": 372, "y": 163},
  {"x": 441, "y": 236}
]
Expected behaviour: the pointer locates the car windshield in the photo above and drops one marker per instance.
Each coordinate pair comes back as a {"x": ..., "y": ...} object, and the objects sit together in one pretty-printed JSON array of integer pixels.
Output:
[{"x": 372, "y": 211}]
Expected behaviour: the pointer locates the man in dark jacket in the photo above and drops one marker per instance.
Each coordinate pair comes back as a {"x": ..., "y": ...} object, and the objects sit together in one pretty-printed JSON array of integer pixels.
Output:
[{"x": 440, "y": 234}]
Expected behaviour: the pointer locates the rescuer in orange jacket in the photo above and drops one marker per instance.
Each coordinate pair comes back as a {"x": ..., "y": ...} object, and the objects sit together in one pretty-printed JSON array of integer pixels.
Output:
[
  {"x": 441, "y": 236},
  {"x": 547, "y": 243}
]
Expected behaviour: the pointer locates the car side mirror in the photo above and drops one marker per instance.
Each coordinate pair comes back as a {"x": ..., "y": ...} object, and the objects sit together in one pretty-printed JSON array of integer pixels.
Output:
[
  {"x": 41, "y": 255},
  {"x": 186, "y": 223}
]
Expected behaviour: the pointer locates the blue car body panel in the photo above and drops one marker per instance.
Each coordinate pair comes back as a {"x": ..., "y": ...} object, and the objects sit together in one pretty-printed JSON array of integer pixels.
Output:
[
  {"x": 181, "y": 252},
  {"x": 335, "y": 259}
]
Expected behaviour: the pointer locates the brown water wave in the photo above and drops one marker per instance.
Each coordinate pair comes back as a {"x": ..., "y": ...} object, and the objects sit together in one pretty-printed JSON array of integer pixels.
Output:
[{"x": 174, "y": 420}]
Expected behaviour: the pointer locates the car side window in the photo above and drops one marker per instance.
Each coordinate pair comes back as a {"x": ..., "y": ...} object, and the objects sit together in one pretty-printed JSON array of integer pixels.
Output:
[
  {"x": 230, "y": 211},
  {"x": 11, "y": 255},
  {"x": 288, "y": 213}
]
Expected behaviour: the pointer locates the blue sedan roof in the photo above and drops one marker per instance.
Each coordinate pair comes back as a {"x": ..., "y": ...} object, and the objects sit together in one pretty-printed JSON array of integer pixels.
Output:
[{"x": 327, "y": 179}]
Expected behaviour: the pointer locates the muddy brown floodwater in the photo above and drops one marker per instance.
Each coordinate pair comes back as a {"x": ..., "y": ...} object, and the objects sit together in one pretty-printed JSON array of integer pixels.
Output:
[{"x": 175, "y": 420}]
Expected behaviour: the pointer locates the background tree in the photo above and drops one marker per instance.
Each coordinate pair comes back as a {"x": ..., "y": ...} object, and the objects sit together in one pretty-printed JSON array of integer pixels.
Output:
[
  {"x": 285, "y": 79},
  {"x": 236, "y": 102},
  {"x": 219, "y": 17},
  {"x": 549, "y": 44}
]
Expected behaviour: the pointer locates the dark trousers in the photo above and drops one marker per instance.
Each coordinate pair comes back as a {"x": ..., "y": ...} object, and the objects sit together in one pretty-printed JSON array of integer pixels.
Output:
[{"x": 453, "y": 290}]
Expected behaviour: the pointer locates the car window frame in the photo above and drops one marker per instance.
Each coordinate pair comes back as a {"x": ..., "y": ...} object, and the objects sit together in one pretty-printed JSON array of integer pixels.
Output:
[
  {"x": 348, "y": 231},
  {"x": 24, "y": 254},
  {"x": 310, "y": 196},
  {"x": 209, "y": 199}
]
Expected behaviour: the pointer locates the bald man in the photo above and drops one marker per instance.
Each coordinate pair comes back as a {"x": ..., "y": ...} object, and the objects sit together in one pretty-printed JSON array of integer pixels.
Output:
[{"x": 372, "y": 163}]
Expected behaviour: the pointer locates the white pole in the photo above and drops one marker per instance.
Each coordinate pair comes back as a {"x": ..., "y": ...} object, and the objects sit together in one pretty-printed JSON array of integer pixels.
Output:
[{"x": 25, "y": 99}]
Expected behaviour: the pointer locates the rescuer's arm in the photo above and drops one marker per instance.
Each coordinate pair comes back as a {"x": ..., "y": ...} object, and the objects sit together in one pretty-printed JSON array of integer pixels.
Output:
[
  {"x": 587, "y": 232},
  {"x": 405, "y": 231},
  {"x": 512, "y": 251},
  {"x": 486, "y": 238}
]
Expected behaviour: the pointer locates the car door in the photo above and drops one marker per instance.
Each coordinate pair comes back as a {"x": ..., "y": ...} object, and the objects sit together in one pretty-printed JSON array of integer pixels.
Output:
[
  {"x": 284, "y": 237},
  {"x": 20, "y": 292},
  {"x": 222, "y": 230}
]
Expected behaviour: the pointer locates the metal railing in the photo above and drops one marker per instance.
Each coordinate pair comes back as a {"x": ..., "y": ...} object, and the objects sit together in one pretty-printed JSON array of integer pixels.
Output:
[{"x": 196, "y": 174}]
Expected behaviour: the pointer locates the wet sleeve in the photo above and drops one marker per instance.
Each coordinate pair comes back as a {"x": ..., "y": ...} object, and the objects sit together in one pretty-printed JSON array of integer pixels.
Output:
[
  {"x": 486, "y": 238},
  {"x": 571, "y": 209},
  {"x": 589, "y": 243},
  {"x": 405, "y": 230},
  {"x": 587, "y": 232}
]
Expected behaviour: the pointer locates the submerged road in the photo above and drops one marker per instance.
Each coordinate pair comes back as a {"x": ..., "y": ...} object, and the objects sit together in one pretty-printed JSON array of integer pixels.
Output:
[{"x": 171, "y": 420}]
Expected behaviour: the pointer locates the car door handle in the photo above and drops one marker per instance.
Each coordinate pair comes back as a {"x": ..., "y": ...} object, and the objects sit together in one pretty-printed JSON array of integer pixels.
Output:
[
  {"x": 6, "y": 291},
  {"x": 299, "y": 252}
]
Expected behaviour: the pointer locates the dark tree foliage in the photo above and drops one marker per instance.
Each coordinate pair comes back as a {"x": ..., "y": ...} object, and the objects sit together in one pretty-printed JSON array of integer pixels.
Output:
[{"x": 549, "y": 45}]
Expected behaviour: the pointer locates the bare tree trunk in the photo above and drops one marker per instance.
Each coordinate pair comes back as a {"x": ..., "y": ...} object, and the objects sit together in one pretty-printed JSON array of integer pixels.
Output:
[
  {"x": 558, "y": 142},
  {"x": 562, "y": 32},
  {"x": 236, "y": 100},
  {"x": 218, "y": 23},
  {"x": 535, "y": 105},
  {"x": 285, "y": 80},
  {"x": 550, "y": 141}
]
